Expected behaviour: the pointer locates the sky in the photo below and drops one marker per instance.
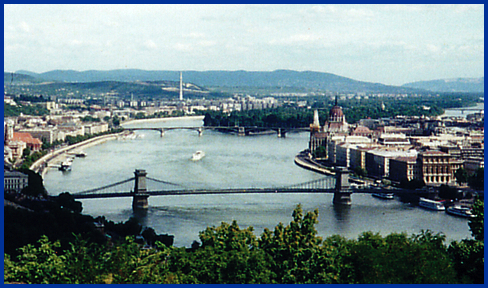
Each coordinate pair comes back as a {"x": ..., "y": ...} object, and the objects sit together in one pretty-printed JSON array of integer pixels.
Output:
[{"x": 388, "y": 44}]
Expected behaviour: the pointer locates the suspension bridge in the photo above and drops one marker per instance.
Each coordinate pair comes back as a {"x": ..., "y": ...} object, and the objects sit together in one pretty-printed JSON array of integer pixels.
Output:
[{"x": 140, "y": 191}]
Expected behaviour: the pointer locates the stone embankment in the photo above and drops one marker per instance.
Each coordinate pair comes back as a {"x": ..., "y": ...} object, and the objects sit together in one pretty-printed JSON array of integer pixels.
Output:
[
  {"x": 304, "y": 160},
  {"x": 41, "y": 165},
  {"x": 58, "y": 155},
  {"x": 164, "y": 119}
]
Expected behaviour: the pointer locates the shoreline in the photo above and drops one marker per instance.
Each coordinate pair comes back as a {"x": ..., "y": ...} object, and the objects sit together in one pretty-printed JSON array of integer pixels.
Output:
[
  {"x": 164, "y": 119},
  {"x": 304, "y": 161},
  {"x": 41, "y": 166}
]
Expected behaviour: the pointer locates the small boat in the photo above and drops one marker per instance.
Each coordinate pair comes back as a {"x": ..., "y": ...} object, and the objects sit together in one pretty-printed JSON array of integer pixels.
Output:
[
  {"x": 431, "y": 204},
  {"x": 81, "y": 154},
  {"x": 384, "y": 195},
  {"x": 66, "y": 165},
  {"x": 198, "y": 155},
  {"x": 460, "y": 211}
]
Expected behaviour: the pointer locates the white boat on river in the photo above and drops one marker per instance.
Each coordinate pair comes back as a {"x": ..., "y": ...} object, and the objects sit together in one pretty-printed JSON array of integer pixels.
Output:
[
  {"x": 431, "y": 204},
  {"x": 460, "y": 211},
  {"x": 198, "y": 155}
]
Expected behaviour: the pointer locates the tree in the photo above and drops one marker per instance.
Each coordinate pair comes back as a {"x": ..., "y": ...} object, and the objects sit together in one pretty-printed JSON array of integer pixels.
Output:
[
  {"x": 468, "y": 255},
  {"x": 67, "y": 201},
  {"x": 476, "y": 224},
  {"x": 26, "y": 152},
  {"x": 320, "y": 152},
  {"x": 400, "y": 259},
  {"x": 116, "y": 121},
  {"x": 446, "y": 192},
  {"x": 477, "y": 180},
  {"x": 361, "y": 172},
  {"x": 296, "y": 251},
  {"x": 35, "y": 187},
  {"x": 461, "y": 176}
]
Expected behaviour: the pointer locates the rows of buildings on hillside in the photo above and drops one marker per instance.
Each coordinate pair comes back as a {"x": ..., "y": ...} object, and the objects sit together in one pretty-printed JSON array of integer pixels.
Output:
[
  {"x": 398, "y": 149},
  {"x": 378, "y": 146},
  {"x": 31, "y": 132}
]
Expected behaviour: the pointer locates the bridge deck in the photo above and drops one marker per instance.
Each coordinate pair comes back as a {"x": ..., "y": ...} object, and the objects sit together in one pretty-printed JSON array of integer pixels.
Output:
[{"x": 238, "y": 191}]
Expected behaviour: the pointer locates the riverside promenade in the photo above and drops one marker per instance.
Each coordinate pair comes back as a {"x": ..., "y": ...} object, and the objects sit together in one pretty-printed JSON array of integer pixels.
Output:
[
  {"x": 304, "y": 160},
  {"x": 60, "y": 154}
]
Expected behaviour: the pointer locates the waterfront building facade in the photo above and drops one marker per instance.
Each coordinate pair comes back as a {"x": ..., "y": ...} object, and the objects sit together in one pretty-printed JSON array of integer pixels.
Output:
[
  {"x": 387, "y": 151},
  {"x": 14, "y": 181}
]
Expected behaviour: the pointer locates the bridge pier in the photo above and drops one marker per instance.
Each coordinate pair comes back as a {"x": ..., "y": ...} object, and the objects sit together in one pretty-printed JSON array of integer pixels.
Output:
[
  {"x": 342, "y": 194},
  {"x": 162, "y": 132},
  {"x": 242, "y": 131},
  {"x": 200, "y": 131},
  {"x": 139, "y": 200},
  {"x": 281, "y": 134}
]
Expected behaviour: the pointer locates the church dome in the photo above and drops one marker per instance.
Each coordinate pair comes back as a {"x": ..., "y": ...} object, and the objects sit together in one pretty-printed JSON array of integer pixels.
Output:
[{"x": 336, "y": 114}]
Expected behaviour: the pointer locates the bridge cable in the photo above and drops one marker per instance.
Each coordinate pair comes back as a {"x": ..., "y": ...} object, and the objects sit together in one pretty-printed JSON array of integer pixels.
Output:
[
  {"x": 164, "y": 182},
  {"x": 103, "y": 187}
]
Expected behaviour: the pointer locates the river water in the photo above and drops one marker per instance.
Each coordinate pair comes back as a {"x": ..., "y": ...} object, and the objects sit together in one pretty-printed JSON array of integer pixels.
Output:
[
  {"x": 463, "y": 114},
  {"x": 231, "y": 161}
]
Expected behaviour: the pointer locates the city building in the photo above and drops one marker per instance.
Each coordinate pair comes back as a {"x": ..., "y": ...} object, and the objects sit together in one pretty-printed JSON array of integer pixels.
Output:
[
  {"x": 14, "y": 181},
  {"x": 437, "y": 167}
]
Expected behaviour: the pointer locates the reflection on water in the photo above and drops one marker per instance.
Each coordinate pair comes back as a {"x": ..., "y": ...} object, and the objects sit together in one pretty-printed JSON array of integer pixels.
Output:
[{"x": 341, "y": 212}]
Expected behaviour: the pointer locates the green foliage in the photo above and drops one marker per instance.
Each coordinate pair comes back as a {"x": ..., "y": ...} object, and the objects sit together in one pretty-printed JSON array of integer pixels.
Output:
[
  {"x": 89, "y": 119},
  {"x": 461, "y": 176},
  {"x": 412, "y": 184},
  {"x": 320, "y": 152},
  {"x": 67, "y": 201},
  {"x": 402, "y": 260},
  {"x": 280, "y": 117},
  {"x": 477, "y": 180},
  {"x": 447, "y": 192},
  {"x": 35, "y": 110},
  {"x": 230, "y": 255},
  {"x": 41, "y": 265},
  {"x": 360, "y": 171},
  {"x": 35, "y": 187},
  {"x": 30, "y": 158},
  {"x": 469, "y": 261},
  {"x": 477, "y": 223},
  {"x": 79, "y": 138}
]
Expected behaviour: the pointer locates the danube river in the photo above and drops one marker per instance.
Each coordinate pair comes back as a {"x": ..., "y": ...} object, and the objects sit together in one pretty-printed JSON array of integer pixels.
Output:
[{"x": 231, "y": 161}]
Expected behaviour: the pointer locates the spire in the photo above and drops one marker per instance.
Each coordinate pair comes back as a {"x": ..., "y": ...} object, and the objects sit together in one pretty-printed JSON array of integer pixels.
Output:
[
  {"x": 336, "y": 100},
  {"x": 316, "y": 121},
  {"x": 181, "y": 86}
]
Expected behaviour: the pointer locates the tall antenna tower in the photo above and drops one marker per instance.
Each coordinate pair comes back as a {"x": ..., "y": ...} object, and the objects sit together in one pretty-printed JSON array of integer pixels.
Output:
[{"x": 181, "y": 86}]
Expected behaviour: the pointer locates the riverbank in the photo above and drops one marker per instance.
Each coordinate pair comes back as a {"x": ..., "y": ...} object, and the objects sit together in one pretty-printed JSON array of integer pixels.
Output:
[
  {"x": 42, "y": 165},
  {"x": 304, "y": 160},
  {"x": 132, "y": 121}
]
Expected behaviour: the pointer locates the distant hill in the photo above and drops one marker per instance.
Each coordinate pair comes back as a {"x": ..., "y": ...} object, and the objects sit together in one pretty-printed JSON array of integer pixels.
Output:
[
  {"x": 16, "y": 78},
  {"x": 451, "y": 85},
  {"x": 308, "y": 80}
]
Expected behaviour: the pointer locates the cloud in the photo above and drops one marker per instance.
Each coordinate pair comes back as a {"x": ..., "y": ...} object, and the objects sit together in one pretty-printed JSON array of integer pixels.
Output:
[
  {"x": 318, "y": 37},
  {"x": 24, "y": 27},
  {"x": 149, "y": 44}
]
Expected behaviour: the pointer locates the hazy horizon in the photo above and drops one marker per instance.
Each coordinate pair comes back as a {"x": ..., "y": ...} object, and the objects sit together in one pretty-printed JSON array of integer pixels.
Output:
[{"x": 388, "y": 44}]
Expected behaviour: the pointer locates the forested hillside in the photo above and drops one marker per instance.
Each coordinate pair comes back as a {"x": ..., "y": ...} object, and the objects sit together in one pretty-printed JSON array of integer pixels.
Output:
[{"x": 289, "y": 254}]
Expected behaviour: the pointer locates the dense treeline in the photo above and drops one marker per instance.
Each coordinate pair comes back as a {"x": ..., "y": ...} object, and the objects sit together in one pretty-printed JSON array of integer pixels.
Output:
[
  {"x": 279, "y": 117},
  {"x": 35, "y": 110},
  {"x": 290, "y": 116},
  {"x": 80, "y": 138},
  {"x": 287, "y": 254},
  {"x": 60, "y": 219}
]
